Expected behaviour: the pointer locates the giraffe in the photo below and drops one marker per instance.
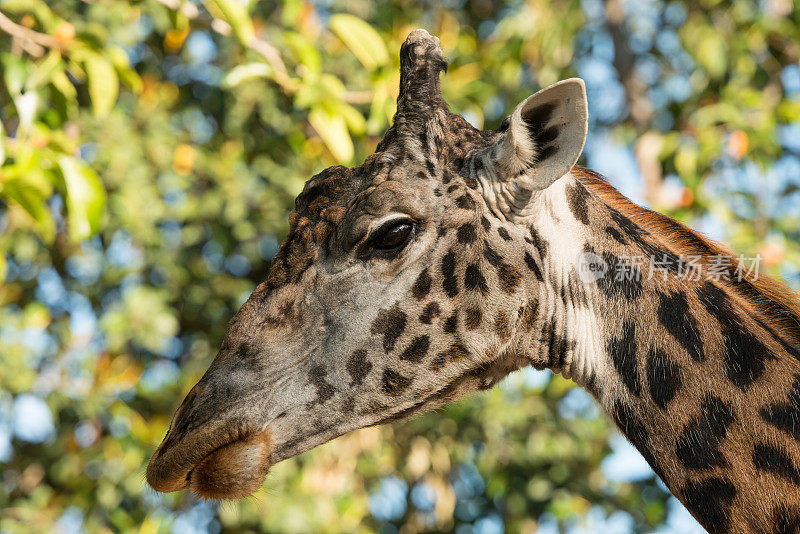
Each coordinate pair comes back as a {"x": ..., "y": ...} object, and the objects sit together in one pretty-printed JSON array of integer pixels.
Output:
[{"x": 454, "y": 256}]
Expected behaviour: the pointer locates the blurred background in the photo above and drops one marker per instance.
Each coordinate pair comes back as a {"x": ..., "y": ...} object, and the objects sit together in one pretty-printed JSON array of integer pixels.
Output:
[{"x": 150, "y": 152}]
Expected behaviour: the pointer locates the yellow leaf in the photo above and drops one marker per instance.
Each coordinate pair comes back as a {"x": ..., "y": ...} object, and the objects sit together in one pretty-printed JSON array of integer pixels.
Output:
[
  {"x": 126, "y": 73},
  {"x": 235, "y": 14},
  {"x": 333, "y": 131},
  {"x": 2, "y": 144},
  {"x": 362, "y": 40},
  {"x": 61, "y": 82},
  {"x": 248, "y": 71},
  {"x": 353, "y": 118},
  {"x": 173, "y": 40},
  {"x": 44, "y": 71},
  {"x": 103, "y": 83},
  {"x": 86, "y": 197},
  {"x": 686, "y": 161},
  {"x": 30, "y": 199},
  {"x": 711, "y": 54},
  {"x": 150, "y": 525}
]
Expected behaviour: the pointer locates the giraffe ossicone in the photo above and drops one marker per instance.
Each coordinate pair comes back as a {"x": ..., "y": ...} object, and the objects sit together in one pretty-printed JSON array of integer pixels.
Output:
[{"x": 452, "y": 257}]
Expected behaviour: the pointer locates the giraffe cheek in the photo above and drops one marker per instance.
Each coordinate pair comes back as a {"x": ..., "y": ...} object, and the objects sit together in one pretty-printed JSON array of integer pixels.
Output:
[{"x": 233, "y": 471}]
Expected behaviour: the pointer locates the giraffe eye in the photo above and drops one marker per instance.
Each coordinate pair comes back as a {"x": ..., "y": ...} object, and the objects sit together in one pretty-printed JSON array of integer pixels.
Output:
[{"x": 393, "y": 236}]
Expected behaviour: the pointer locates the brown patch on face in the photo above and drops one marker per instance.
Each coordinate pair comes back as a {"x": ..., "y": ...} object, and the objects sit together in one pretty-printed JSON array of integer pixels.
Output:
[
  {"x": 288, "y": 314},
  {"x": 473, "y": 318},
  {"x": 529, "y": 315},
  {"x": 358, "y": 367},
  {"x": 417, "y": 349},
  {"x": 390, "y": 323},
  {"x": 465, "y": 202},
  {"x": 333, "y": 214},
  {"x": 448, "y": 266},
  {"x": 319, "y": 203},
  {"x": 456, "y": 351},
  {"x": 324, "y": 390},
  {"x": 474, "y": 279},
  {"x": 502, "y": 326},
  {"x": 467, "y": 233},
  {"x": 451, "y": 323},
  {"x": 431, "y": 310},
  {"x": 348, "y": 405},
  {"x": 509, "y": 278},
  {"x": 374, "y": 407},
  {"x": 394, "y": 383},
  {"x": 322, "y": 231},
  {"x": 422, "y": 285}
]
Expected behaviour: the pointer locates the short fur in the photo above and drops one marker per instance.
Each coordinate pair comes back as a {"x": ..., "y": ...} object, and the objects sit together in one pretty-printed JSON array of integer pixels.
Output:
[{"x": 701, "y": 375}]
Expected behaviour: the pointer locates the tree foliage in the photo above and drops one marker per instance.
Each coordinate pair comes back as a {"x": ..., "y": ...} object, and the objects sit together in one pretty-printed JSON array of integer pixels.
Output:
[{"x": 149, "y": 155}]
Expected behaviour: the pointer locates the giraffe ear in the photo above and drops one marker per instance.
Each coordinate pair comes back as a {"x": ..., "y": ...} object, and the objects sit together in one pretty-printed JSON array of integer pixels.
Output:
[{"x": 542, "y": 140}]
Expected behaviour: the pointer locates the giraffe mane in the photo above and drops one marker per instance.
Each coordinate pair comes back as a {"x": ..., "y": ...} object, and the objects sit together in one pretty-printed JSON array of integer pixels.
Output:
[{"x": 765, "y": 296}]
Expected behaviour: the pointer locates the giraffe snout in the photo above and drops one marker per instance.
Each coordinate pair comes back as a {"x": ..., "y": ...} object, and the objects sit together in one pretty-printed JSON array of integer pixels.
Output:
[{"x": 217, "y": 446}]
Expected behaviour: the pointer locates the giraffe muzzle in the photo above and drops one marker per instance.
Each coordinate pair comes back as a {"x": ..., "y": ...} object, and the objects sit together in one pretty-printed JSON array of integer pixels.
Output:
[
  {"x": 231, "y": 470},
  {"x": 217, "y": 453}
]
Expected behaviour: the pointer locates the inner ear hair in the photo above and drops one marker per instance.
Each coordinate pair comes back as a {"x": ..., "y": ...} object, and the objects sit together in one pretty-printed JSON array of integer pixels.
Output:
[{"x": 545, "y": 137}]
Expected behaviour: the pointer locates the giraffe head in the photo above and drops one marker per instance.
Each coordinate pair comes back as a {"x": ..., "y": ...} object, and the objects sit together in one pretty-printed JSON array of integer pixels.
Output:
[{"x": 403, "y": 283}]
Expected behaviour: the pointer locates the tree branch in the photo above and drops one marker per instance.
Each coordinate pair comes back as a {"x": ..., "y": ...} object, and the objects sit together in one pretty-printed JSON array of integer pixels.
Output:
[
  {"x": 31, "y": 41},
  {"x": 641, "y": 110},
  {"x": 260, "y": 46}
]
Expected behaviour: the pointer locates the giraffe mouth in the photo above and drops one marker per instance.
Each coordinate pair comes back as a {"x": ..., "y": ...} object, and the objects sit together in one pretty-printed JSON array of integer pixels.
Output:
[{"x": 232, "y": 470}]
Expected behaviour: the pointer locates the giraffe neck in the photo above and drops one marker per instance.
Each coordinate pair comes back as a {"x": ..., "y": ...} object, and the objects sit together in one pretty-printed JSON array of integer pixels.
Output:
[
  {"x": 566, "y": 337},
  {"x": 702, "y": 375}
]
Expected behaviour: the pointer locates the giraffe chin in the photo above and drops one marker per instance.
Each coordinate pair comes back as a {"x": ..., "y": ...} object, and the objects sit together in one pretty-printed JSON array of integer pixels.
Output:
[{"x": 233, "y": 471}]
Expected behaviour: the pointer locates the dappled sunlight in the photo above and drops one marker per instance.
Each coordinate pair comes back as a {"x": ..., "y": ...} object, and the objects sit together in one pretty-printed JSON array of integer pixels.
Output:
[{"x": 150, "y": 153}]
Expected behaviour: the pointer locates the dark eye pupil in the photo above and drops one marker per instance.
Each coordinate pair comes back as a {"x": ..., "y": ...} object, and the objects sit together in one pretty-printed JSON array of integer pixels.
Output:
[{"x": 394, "y": 236}]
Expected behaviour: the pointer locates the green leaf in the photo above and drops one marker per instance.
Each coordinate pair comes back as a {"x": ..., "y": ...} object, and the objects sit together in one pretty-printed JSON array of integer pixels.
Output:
[
  {"x": 103, "y": 83},
  {"x": 127, "y": 75},
  {"x": 712, "y": 55},
  {"x": 30, "y": 199},
  {"x": 61, "y": 82},
  {"x": 379, "y": 112},
  {"x": 235, "y": 14},
  {"x": 248, "y": 71},
  {"x": 353, "y": 118},
  {"x": 86, "y": 197},
  {"x": 333, "y": 131},
  {"x": 305, "y": 51},
  {"x": 44, "y": 71},
  {"x": 15, "y": 72},
  {"x": 2, "y": 143},
  {"x": 38, "y": 8},
  {"x": 362, "y": 40}
]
